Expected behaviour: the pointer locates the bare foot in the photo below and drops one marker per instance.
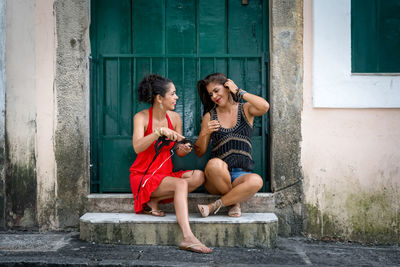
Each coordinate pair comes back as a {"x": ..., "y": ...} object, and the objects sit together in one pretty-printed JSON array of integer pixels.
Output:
[{"x": 194, "y": 245}]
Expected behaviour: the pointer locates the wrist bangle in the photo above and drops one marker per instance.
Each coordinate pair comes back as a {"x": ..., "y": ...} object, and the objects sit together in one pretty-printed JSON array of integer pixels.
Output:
[
  {"x": 240, "y": 93},
  {"x": 157, "y": 132}
]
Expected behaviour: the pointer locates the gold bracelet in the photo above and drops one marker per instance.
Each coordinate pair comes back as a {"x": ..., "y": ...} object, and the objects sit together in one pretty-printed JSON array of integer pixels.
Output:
[{"x": 156, "y": 131}]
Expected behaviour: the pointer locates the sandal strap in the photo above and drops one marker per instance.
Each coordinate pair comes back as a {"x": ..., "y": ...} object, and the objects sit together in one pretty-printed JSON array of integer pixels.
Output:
[
  {"x": 155, "y": 211},
  {"x": 195, "y": 245},
  {"x": 220, "y": 205}
]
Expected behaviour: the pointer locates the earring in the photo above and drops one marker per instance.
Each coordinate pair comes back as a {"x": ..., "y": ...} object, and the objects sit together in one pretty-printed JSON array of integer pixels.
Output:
[{"x": 161, "y": 106}]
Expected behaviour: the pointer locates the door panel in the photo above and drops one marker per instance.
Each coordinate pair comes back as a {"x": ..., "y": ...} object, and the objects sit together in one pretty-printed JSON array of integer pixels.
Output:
[
  {"x": 212, "y": 27},
  {"x": 148, "y": 17},
  {"x": 180, "y": 27},
  {"x": 184, "y": 41},
  {"x": 113, "y": 35},
  {"x": 245, "y": 27}
]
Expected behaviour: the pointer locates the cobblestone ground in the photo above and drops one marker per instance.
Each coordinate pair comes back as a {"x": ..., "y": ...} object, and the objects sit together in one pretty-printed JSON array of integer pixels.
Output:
[{"x": 65, "y": 249}]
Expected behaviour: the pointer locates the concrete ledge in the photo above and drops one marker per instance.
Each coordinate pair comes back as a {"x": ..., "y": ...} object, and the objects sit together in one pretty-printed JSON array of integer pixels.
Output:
[
  {"x": 250, "y": 230},
  {"x": 123, "y": 203}
]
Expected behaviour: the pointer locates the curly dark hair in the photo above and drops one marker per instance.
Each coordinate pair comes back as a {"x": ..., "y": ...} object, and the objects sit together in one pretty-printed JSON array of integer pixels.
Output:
[
  {"x": 205, "y": 98},
  {"x": 151, "y": 86}
]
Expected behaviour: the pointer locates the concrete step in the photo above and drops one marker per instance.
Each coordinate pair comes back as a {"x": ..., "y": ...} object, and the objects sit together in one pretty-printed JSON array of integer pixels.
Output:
[
  {"x": 123, "y": 203},
  {"x": 249, "y": 230}
]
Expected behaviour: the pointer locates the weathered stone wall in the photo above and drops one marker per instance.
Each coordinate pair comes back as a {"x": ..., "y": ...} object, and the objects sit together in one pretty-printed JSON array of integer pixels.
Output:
[
  {"x": 72, "y": 109},
  {"x": 47, "y": 118},
  {"x": 30, "y": 165},
  {"x": 286, "y": 31}
]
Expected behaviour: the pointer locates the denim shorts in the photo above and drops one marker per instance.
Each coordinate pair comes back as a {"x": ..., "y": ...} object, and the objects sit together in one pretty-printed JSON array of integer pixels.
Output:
[{"x": 237, "y": 172}]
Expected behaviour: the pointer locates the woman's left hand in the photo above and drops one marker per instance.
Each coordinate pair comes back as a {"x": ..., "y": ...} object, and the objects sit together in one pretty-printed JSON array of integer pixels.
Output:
[
  {"x": 185, "y": 148},
  {"x": 231, "y": 86}
]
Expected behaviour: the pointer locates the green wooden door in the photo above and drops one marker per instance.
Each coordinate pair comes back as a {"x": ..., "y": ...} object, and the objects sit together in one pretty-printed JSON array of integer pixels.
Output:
[{"x": 184, "y": 41}]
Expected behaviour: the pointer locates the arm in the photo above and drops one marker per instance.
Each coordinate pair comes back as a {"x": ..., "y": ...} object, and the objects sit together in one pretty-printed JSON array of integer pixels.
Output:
[
  {"x": 207, "y": 128},
  {"x": 255, "y": 106},
  {"x": 139, "y": 141},
  {"x": 182, "y": 150}
]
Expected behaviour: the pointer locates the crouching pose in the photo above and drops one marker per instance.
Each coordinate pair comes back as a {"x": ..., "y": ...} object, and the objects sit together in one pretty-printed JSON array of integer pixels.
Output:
[{"x": 229, "y": 124}]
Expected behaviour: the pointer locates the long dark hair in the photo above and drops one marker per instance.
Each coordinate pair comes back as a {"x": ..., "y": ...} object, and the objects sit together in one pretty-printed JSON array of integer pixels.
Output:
[
  {"x": 151, "y": 86},
  {"x": 205, "y": 98}
]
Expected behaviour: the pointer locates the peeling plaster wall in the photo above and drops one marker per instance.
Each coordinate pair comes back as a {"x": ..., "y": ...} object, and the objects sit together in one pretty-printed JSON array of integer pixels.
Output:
[
  {"x": 72, "y": 109},
  {"x": 20, "y": 115},
  {"x": 286, "y": 27},
  {"x": 45, "y": 75},
  {"x": 30, "y": 181},
  {"x": 2, "y": 111},
  {"x": 350, "y": 159},
  {"x": 47, "y": 122}
]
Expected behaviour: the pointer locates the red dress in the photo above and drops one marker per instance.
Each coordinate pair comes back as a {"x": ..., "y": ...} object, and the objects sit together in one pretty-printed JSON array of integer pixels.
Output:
[{"x": 151, "y": 182}]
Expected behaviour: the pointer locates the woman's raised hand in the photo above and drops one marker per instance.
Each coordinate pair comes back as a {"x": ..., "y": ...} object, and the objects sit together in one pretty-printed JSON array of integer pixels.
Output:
[
  {"x": 231, "y": 86},
  {"x": 213, "y": 126}
]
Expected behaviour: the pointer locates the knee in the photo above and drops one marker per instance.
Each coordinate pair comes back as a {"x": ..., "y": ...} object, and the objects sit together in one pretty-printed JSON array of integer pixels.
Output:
[
  {"x": 215, "y": 164},
  {"x": 198, "y": 178},
  {"x": 256, "y": 182},
  {"x": 181, "y": 184}
]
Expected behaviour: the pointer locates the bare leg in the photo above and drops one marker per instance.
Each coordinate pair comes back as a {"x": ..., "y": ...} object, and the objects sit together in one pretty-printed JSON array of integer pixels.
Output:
[
  {"x": 217, "y": 182},
  {"x": 179, "y": 188},
  {"x": 244, "y": 187},
  {"x": 194, "y": 178},
  {"x": 218, "y": 179}
]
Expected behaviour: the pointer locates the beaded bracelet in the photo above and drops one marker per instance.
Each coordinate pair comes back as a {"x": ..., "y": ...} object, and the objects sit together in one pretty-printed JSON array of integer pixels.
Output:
[{"x": 240, "y": 93}]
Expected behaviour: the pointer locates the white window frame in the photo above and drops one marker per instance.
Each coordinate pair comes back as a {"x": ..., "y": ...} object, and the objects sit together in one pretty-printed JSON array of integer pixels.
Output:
[{"x": 334, "y": 85}]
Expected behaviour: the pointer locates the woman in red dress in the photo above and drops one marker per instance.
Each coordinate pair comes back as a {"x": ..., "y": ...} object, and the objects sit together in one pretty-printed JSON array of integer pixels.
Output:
[{"x": 160, "y": 183}]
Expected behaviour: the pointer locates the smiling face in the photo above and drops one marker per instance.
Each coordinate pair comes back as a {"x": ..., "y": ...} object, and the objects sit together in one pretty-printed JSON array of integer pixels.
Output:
[
  {"x": 170, "y": 98},
  {"x": 218, "y": 93}
]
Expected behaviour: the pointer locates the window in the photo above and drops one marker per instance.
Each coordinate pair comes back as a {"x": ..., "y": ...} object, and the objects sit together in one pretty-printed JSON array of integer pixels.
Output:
[{"x": 375, "y": 36}]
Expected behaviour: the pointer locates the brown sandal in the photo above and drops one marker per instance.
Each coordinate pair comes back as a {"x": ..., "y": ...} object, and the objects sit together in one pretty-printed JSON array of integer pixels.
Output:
[
  {"x": 157, "y": 213},
  {"x": 149, "y": 211}
]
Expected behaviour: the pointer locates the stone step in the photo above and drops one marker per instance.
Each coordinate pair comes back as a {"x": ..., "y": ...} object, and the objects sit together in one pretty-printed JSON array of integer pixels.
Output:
[
  {"x": 249, "y": 230},
  {"x": 123, "y": 203}
]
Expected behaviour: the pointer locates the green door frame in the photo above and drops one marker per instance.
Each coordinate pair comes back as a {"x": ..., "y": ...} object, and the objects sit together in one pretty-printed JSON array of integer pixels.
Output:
[{"x": 97, "y": 67}]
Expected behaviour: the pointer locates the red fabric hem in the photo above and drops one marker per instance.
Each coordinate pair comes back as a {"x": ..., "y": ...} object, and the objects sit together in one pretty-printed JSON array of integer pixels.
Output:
[{"x": 151, "y": 185}]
